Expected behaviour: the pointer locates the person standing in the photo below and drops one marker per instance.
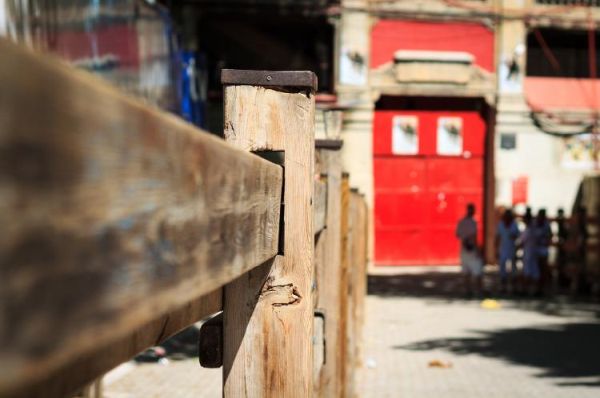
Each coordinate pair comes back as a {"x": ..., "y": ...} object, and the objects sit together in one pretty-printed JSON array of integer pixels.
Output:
[
  {"x": 581, "y": 246},
  {"x": 562, "y": 236},
  {"x": 543, "y": 238},
  {"x": 506, "y": 235},
  {"x": 531, "y": 271},
  {"x": 471, "y": 264}
]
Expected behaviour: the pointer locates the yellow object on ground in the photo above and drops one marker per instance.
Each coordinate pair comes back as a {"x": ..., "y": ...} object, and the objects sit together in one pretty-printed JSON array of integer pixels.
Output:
[{"x": 491, "y": 304}]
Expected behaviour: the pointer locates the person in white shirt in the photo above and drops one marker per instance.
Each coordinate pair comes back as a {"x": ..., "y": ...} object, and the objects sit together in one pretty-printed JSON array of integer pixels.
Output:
[{"x": 472, "y": 266}]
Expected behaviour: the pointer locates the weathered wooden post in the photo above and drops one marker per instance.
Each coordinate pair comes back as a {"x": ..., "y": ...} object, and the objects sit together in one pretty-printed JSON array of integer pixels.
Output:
[
  {"x": 346, "y": 368},
  {"x": 363, "y": 255},
  {"x": 358, "y": 274},
  {"x": 268, "y": 313},
  {"x": 330, "y": 271}
]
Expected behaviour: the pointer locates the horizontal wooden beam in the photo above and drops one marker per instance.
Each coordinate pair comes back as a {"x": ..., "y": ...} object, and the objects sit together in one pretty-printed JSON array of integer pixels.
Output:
[
  {"x": 66, "y": 380},
  {"x": 113, "y": 214}
]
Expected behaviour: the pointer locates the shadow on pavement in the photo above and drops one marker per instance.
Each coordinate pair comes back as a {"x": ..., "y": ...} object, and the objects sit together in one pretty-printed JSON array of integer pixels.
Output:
[
  {"x": 447, "y": 286},
  {"x": 559, "y": 351},
  {"x": 426, "y": 284}
]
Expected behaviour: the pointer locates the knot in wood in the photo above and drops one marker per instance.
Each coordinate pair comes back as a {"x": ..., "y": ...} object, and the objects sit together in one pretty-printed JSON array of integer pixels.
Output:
[{"x": 280, "y": 295}]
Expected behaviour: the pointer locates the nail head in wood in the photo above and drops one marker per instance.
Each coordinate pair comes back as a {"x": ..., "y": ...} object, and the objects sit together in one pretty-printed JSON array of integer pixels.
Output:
[{"x": 298, "y": 79}]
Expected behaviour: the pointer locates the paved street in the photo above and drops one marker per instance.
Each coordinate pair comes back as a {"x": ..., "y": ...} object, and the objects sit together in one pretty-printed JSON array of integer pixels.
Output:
[{"x": 525, "y": 348}]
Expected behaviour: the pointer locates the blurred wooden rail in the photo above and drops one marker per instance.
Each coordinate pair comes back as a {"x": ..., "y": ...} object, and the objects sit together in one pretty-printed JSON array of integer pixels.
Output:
[
  {"x": 112, "y": 213},
  {"x": 123, "y": 225}
]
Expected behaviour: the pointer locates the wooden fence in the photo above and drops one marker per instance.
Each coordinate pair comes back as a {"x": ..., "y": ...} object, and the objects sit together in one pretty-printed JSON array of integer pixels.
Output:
[{"x": 123, "y": 225}]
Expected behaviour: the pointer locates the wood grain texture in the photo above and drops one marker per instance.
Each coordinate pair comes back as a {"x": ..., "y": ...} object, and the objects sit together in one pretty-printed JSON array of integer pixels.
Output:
[
  {"x": 329, "y": 275},
  {"x": 113, "y": 214},
  {"x": 65, "y": 380},
  {"x": 268, "y": 313},
  {"x": 356, "y": 287},
  {"x": 358, "y": 279},
  {"x": 351, "y": 300},
  {"x": 319, "y": 205},
  {"x": 345, "y": 373}
]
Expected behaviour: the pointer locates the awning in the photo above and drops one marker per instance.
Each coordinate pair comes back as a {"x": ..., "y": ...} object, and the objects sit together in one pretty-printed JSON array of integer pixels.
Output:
[{"x": 557, "y": 94}]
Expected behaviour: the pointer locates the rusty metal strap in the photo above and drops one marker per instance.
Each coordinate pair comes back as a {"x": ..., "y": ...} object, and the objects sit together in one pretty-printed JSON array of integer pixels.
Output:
[{"x": 300, "y": 79}]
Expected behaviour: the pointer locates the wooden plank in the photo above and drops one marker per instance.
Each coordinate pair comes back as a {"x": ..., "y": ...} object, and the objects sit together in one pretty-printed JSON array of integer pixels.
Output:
[
  {"x": 351, "y": 298},
  {"x": 113, "y": 214},
  {"x": 358, "y": 213},
  {"x": 345, "y": 371},
  {"x": 66, "y": 380},
  {"x": 268, "y": 313},
  {"x": 319, "y": 194},
  {"x": 329, "y": 275},
  {"x": 319, "y": 205},
  {"x": 319, "y": 347}
]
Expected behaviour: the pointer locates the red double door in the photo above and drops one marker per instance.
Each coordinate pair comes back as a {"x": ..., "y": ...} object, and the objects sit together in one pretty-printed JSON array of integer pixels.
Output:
[{"x": 423, "y": 187}]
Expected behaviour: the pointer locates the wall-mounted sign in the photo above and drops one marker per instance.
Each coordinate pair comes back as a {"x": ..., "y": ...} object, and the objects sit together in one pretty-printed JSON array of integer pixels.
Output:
[
  {"x": 405, "y": 135},
  {"x": 450, "y": 136}
]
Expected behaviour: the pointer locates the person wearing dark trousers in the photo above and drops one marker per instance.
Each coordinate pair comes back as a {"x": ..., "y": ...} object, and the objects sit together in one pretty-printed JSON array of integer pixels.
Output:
[
  {"x": 581, "y": 249},
  {"x": 471, "y": 262},
  {"x": 507, "y": 233},
  {"x": 562, "y": 236},
  {"x": 543, "y": 237}
]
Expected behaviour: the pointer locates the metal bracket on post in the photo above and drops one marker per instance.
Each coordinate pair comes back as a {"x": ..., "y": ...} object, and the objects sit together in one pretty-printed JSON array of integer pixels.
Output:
[
  {"x": 333, "y": 145},
  {"x": 289, "y": 79},
  {"x": 210, "y": 342}
]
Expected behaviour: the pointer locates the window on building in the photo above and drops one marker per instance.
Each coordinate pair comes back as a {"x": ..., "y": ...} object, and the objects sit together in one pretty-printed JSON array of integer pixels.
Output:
[
  {"x": 264, "y": 35},
  {"x": 559, "y": 52}
]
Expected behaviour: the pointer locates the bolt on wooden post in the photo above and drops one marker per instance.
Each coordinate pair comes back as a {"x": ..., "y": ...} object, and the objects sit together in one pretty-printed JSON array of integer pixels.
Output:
[{"x": 268, "y": 312}]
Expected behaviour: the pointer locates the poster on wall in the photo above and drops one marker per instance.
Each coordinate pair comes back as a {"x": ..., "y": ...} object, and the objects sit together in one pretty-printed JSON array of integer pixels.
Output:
[
  {"x": 450, "y": 136},
  {"x": 405, "y": 135},
  {"x": 510, "y": 71},
  {"x": 578, "y": 152},
  {"x": 519, "y": 190},
  {"x": 353, "y": 67}
]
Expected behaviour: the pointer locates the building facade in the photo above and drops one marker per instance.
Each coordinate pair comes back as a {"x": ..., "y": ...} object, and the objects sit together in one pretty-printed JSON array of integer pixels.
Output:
[{"x": 464, "y": 101}]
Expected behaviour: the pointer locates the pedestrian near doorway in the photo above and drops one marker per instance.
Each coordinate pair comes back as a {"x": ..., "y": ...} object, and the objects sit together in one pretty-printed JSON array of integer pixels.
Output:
[
  {"x": 507, "y": 233},
  {"x": 471, "y": 263},
  {"x": 531, "y": 272},
  {"x": 579, "y": 236},
  {"x": 562, "y": 236},
  {"x": 543, "y": 238}
]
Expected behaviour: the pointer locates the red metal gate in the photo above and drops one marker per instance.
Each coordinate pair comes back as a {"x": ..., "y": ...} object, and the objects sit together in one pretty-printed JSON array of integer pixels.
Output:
[{"x": 428, "y": 164}]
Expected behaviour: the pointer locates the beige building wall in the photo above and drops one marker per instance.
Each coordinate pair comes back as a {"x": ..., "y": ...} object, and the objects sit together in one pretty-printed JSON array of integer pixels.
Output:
[
  {"x": 538, "y": 155},
  {"x": 353, "y": 89}
]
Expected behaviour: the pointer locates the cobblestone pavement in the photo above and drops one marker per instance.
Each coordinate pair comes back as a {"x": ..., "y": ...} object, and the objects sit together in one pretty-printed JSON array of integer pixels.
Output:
[{"x": 526, "y": 348}]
